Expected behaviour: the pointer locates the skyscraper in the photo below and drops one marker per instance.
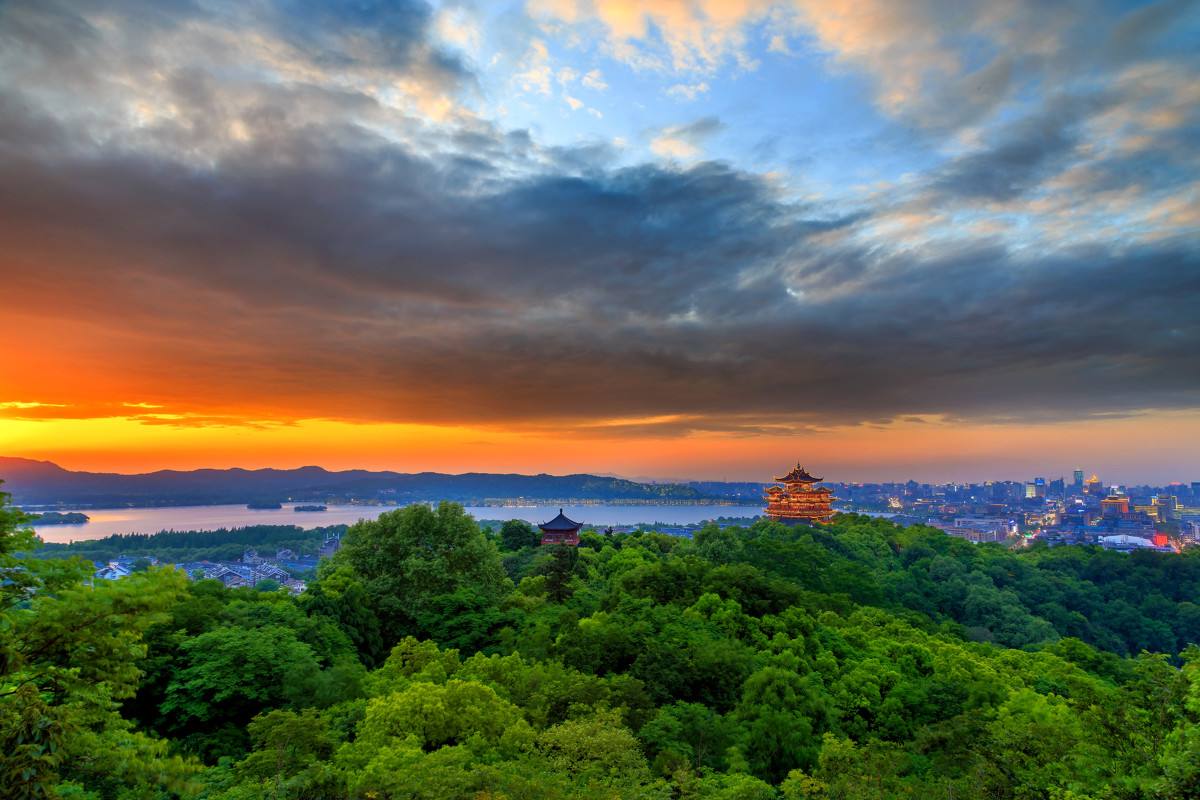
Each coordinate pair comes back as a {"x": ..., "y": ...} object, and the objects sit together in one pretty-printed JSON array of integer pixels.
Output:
[{"x": 1079, "y": 479}]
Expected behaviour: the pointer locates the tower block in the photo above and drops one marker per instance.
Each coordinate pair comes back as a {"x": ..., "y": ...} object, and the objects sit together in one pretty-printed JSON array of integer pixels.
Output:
[{"x": 799, "y": 500}]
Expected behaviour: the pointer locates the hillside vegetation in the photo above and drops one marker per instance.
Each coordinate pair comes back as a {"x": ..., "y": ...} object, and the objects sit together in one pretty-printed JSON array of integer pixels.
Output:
[
  {"x": 223, "y": 544},
  {"x": 433, "y": 660},
  {"x": 43, "y": 482}
]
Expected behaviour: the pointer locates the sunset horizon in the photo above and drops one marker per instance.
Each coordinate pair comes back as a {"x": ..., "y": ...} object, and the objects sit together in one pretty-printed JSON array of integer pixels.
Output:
[
  {"x": 676, "y": 240},
  {"x": 600, "y": 399}
]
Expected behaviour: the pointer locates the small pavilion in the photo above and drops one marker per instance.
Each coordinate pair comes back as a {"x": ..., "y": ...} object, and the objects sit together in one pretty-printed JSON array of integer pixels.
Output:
[{"x": 561, "y": 530}]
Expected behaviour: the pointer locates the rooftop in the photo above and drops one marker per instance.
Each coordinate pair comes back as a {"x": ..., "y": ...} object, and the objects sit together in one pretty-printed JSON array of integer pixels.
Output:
[
  {"x": 799, "y": 475},
  {"x": 561, "y": 523}
]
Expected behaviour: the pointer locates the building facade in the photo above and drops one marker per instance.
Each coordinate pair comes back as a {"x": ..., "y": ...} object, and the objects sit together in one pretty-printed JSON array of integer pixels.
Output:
[{"x": 799, "y": 499}]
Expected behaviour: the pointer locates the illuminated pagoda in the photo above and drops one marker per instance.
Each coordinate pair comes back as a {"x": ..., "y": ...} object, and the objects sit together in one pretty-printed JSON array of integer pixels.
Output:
[
  {"x": 799, "y": 500},
  {"x": 561, "y": 530}
]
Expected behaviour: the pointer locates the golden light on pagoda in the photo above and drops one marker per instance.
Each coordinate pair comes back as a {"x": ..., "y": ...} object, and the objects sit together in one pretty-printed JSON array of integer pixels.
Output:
[{"x": 799, "y": 500}]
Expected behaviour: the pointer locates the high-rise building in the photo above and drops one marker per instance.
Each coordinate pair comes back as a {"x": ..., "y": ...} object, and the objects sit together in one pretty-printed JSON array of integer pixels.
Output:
[
  {"x": 1078, "y": 479},
  {"x": 1039, "y": 487}
]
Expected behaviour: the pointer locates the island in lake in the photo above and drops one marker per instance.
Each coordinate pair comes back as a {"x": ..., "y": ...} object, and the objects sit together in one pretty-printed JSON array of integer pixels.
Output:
[
  {"x": 59, "y": 518},
  {"x": 309, "y": 508},
  {"x": 264, "y": 506}
]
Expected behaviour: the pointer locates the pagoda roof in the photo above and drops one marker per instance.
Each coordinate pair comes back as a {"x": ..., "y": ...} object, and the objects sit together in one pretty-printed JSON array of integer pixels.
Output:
[
  {"x": 799, "y": 475},
  {"x": 561, "y": 523}
]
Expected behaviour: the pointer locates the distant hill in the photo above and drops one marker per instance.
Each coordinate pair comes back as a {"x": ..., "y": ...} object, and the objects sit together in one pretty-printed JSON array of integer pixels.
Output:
[{"x": 38, "y": 483}]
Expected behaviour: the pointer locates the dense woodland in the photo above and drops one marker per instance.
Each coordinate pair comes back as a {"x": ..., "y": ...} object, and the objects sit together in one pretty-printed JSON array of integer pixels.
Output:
[
  {"x": 432, "y": 659},
  {"x": 223, "y": 544}
]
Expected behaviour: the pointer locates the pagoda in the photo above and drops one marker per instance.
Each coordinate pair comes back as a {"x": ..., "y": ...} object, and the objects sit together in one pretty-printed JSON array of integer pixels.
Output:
[
  {"x": 561, "y": 530},
  {"x": 799, "y": 500}
]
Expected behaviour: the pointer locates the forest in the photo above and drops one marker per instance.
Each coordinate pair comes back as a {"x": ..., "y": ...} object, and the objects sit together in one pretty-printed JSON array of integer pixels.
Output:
[
  {"x": 432, "y": 658},
  {"x": 223, "y": 544}
]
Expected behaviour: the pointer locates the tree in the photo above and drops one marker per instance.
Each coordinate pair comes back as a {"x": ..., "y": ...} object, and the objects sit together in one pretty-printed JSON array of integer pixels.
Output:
[
  {"x": 231, "y": 674},
  {"x": 1180, "y": 757},
  {"x": 465, "y": 619},
  {"x": 559, "y": 569},
  {"x": 410, "y": 556},
  {"x": 692, "y": 732},
  {"x": 516, "y": 534},
  {"x": 339, "y": 594},
  {"x": 286, "y": 742},
  {"x": 784, "y": 715},
  {"x": 14, "y": 535},
  {"x": 69, "y": 653},
  {"x": 595, "y": 748}
]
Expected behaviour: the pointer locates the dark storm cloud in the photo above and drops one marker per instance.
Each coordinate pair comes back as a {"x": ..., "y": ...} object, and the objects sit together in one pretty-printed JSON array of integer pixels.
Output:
[
  {"x": 1023, "y": 155},
  {"x": 321, "y": 267},
  {"x": 392, "y": 33},
  {"x": 1134, "y": 35}
]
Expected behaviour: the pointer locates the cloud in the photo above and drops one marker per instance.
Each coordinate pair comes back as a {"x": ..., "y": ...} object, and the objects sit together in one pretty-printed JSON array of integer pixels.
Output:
[
  {"x": 346, "y": 256},
  {"x": 935, "y": 64},
  {"x": 594, "y": 79},
  {"x": 687, "y": 91},
  {"x": 684, "y": 141},
  {"x": 459, "y": 28},
  {"x": 676, "y": 35},
  {"x": 536, "y": 73},
  {"x": 1023, "y": 154}
]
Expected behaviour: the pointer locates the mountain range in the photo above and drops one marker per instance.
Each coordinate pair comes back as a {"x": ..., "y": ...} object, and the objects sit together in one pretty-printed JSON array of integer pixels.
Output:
[{"x": 44, "y": 483}]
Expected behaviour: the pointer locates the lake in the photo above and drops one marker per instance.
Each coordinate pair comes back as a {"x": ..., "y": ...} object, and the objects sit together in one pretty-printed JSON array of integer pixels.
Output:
[{"x": 107, "y": 521}]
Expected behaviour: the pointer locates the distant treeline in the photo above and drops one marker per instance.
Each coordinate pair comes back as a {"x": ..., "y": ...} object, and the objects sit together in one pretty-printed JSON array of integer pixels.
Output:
[
  {"x": 34, "y": 483},
  {"x": 224, "y": 544}
]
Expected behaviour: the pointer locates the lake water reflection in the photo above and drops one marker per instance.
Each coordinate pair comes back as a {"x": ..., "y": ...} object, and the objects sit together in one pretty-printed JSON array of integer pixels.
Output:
[{"x": 105, "y": 522}]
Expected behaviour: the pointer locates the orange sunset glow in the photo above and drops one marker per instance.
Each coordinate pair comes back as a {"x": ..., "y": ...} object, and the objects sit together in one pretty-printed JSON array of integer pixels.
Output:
[
  {"x": 933, "y": 450},
  {"x": 658, "y": 241},
  {"x": 600, "y": 399}
]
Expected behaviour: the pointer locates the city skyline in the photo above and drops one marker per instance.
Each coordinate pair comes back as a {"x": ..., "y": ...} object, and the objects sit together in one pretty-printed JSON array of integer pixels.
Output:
[
  {"x": 896, "y": 239},
  {"x": 765, "y": 477}
]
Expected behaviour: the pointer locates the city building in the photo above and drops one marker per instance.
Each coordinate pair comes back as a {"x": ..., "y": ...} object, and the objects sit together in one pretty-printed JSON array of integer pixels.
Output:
[
  {"x": 112, "y": 571},
  {"x": 972, "y": 535},
  {"x": 1126, "y": 543},
  {"x": 1114, "y": 505},
  {"x": 1003, "y": 526},
  {"x": 799, "y": 500},
  {"x": 331, "y": 545},
  {"x": 1150, "y": 510}
]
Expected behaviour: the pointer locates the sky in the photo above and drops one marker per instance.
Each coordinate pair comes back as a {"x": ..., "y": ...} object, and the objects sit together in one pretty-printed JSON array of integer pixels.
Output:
[{"x": 701, "y": 239}]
